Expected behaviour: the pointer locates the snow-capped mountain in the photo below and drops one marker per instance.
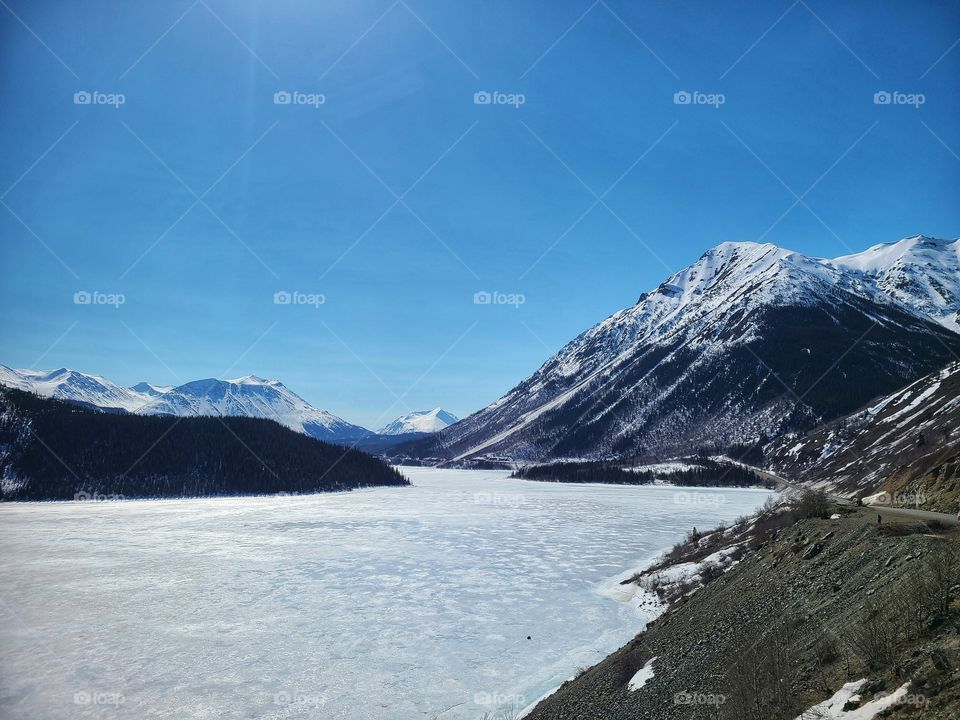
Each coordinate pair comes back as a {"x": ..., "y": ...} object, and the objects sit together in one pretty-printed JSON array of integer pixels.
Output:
[
  {"x": 920, "y": 272},
  {"x": 76, "y": 387},
  {"x": 251, "y": 396},
  {"x": 248, "y": 396},
  {"x": 905, "y": 443},
  {"x": 152, "y": 391},
  {"x": 419, "y": 421},
  {"x": 749, "y": 340}
]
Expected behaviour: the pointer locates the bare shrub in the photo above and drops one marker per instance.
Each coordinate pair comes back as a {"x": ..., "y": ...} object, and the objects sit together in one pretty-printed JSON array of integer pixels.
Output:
[
  {"x": 813, "y": 504},
  {"x": 875, "y": 637},
  {"x": 710, "y": 571}
]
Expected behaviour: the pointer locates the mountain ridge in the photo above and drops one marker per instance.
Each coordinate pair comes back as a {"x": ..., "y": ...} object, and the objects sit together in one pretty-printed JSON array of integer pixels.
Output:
[
  {"x": 248, "y": 396},
  {"x": 750, "y": 338}
]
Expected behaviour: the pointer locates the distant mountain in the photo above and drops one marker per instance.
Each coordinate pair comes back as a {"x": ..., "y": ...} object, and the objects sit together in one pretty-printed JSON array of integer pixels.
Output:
[
  {"x": 749, "y": 341},
  {"x": 245, "y": 397},
  {"x": 74, "y": 386},
  {"x": 419, "y": 421},
  {"x": 906, "y": 443},
  {"x": 54, "y": 450},
  {"x": 252, "y": 397},
  {"x": 152, "y": 391}
]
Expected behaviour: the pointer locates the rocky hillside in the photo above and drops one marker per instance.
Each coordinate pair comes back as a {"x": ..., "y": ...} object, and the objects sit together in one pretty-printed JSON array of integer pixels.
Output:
[
  {"x": 902, "y": 448},
  {"x": 843, "y": 614},
  {"x": 749, "y": 341}
]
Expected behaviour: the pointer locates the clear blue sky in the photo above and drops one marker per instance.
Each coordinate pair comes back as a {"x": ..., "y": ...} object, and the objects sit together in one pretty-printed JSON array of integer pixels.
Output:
[{"x": 305, "y": 198}]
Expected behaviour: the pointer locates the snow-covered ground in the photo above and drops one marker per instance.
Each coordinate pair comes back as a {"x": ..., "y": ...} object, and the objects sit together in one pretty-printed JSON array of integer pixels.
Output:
[{"x": 466, "y": 592}]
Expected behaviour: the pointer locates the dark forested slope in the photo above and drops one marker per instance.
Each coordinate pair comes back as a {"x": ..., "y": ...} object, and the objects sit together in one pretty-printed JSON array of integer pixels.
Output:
[{"x": 52, "y": 450}]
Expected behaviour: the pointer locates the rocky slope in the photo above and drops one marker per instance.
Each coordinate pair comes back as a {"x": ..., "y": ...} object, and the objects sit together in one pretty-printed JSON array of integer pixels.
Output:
[
  {"x": 818, "y": 605},
  {"x": 904, "y": 446}
]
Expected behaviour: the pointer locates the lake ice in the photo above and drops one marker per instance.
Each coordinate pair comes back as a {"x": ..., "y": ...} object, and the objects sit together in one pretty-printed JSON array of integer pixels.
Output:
[{"x": 388, "y": 604}]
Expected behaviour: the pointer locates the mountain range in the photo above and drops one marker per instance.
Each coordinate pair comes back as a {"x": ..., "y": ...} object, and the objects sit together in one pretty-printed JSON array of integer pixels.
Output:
[
  {"x": 248, "y": 396},
  {"x": 749, "y": 342}
]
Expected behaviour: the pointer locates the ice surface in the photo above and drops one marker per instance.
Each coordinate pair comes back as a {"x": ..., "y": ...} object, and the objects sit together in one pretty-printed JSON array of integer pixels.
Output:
[{"x": 388, "y": 604}]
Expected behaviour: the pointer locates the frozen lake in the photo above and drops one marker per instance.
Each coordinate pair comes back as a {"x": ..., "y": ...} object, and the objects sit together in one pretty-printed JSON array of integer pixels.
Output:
[{"x": 388, "y": 604}]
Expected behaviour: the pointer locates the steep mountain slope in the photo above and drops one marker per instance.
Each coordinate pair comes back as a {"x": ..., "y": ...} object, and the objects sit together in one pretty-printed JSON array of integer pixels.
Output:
[
  {"x": 252, "y": 397},
  {"x": 419, "y": 421},
  {"x": 54, "y": 450},
  {"x": 74, "y": 386},
  {"x": 906, "y": 444},
  {"x": 246, "y": 397},
  {"x": 750, "y": 340}
]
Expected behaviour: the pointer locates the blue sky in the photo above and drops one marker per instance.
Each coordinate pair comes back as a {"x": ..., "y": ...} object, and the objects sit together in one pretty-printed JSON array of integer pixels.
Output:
[{"x": 398, "y": 197}]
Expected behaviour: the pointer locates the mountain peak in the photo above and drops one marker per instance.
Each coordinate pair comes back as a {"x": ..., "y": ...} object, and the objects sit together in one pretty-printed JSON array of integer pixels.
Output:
[
  {"x": 420, "y": 421},
  {"x": 704, "y": 357}
]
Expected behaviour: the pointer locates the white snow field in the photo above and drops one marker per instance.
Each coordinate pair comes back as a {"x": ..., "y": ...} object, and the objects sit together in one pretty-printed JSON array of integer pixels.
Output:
[{"x": 389, "y": 604}]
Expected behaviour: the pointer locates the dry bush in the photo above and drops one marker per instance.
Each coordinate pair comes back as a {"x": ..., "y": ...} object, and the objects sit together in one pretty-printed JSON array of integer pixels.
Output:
[
  {"x": 875, "y": 636},
  {"x": 710, "y": 571}
]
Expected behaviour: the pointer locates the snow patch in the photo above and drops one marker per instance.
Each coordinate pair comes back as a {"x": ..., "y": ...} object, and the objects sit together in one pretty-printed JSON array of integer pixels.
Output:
[
  {"x": 832, "y": 709},
  {"x": 642, "y": 676}
]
